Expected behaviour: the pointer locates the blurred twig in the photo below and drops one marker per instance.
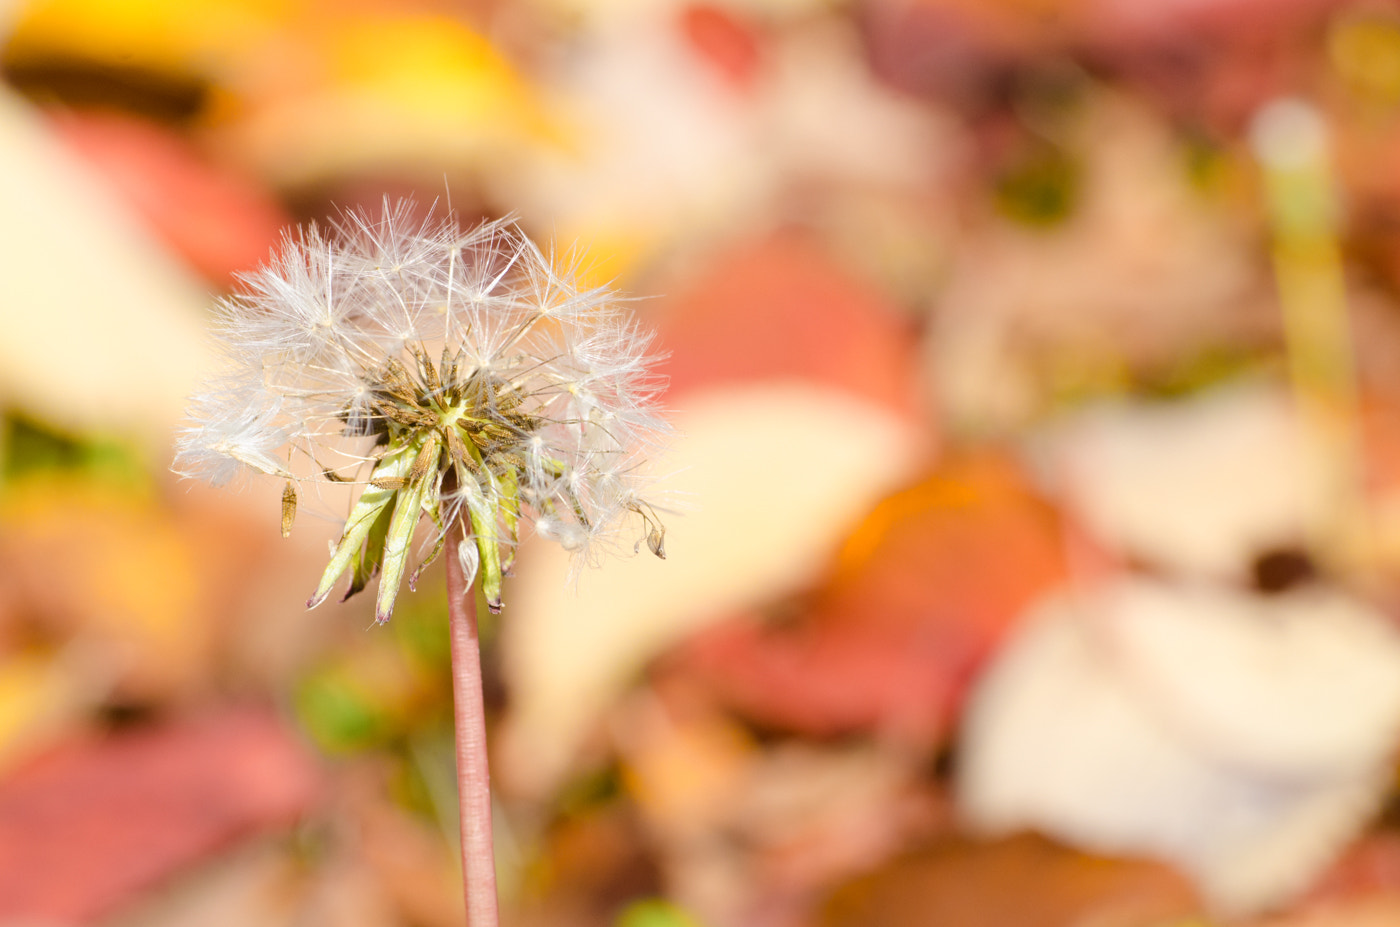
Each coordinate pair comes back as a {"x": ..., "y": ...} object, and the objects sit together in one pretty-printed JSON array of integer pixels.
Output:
[{"x": 1291, "y": 141}]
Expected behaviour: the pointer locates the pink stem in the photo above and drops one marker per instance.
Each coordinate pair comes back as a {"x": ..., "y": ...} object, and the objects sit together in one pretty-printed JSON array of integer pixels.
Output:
[{"x": 473, "y": 774}]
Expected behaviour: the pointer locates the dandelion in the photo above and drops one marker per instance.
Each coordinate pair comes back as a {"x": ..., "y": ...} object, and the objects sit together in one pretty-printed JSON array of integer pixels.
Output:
[
  {"x": 461, "y": 377},
  {"x": 464, "y": 378}
]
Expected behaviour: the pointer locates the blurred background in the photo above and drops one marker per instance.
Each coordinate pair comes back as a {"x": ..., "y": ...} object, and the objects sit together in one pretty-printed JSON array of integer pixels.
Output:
[{"x": 1036, "y": 548}]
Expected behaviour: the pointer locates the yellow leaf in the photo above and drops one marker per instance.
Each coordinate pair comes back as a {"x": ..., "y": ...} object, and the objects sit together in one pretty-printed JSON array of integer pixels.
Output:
[
  {"x": 37, "y": 697},
  {"x": 160, "y": 35}
]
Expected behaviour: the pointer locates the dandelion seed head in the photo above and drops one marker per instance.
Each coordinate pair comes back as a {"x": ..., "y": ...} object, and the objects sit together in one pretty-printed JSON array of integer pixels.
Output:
[{"x": 457, "y": 375}]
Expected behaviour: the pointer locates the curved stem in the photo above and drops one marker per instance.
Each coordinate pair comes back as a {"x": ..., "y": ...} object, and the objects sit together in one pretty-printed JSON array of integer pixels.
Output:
[{"x": 473, "y": 773}]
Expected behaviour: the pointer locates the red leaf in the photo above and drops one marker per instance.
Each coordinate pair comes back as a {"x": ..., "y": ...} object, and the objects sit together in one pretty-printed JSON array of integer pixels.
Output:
[
  {"x": 724, "y": 41},
  {"x": 89, "y": 826},
  {"x": 921, "y": 594},
  {"x": 217, "y": 220},
  {"x": 785, "y": 309}
]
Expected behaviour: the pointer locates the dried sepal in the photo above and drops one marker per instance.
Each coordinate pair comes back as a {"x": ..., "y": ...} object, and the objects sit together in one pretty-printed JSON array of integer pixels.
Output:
[
  {"x": 432, "y": 512},
  {"x": 426, "y": 459},
  {"x": 655, "y": 531},
  {"x": 395, "y": 381},
  {"x": 289, "y": 508},
  {"x": 427, "y": 371}
]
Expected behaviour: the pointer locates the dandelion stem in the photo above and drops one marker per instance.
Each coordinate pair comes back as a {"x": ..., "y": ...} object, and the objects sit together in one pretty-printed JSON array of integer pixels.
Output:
[{"x": 469, "y": 714}]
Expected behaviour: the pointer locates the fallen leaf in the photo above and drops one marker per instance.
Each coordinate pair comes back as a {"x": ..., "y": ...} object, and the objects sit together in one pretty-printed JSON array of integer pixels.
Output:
[
  {"x": 1244, "y": 738},
  {"x": 773, "y": 495},
  {"x": 87, "y": 827},
  {"x": 784, "y": 309},
  {"x": 405, "y": 94},
  {"x": 1200, "y": 487},
  {"x": 220, "y": 221},
  {"x": 1371, "y": 865},
  {"x": 87, "y": 290},
  {"x": 114, "y": 569},
  {"x": 921, "y": 593},
  {"x": 1025, "y": 881}
]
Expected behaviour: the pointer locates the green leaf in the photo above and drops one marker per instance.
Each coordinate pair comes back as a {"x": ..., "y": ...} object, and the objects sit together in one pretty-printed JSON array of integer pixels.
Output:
[
  {"x": 339, "y": 713},
  {"x": 654, "y": 912}
]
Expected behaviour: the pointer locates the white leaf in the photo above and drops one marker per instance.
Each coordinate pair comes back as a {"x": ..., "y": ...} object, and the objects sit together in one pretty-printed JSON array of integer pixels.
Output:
[{"x": 1243, "y": 739}]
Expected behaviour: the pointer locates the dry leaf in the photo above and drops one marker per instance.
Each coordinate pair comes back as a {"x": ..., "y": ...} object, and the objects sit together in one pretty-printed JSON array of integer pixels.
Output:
[
  {"x": 922, "y": 592},
  {"x": 772, "y": 495},
  {"x": 1244, "y": 738},
  {"x": 217, "y": 220},
  {"x": 87, "y": 289},
  {"x": 1025, "y": 881},
  {"x": 784, "y": 309},
  {"x": 87, "y": 828},
  {"x": 1201, "y": 486}
]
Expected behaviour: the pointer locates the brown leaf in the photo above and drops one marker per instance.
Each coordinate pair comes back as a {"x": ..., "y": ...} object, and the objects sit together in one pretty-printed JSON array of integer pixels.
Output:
[{"x": 1025, "y": 881}]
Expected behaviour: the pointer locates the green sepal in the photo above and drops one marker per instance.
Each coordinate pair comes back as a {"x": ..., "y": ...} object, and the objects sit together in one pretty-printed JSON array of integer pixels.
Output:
[
  {"x": 483, "y": 522},
  {"x": 510, "y": 517},
  {"x": 362, "y": 518},
  {"x": 369, "y": 557},
  {"x": 407, "y": 511}
]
